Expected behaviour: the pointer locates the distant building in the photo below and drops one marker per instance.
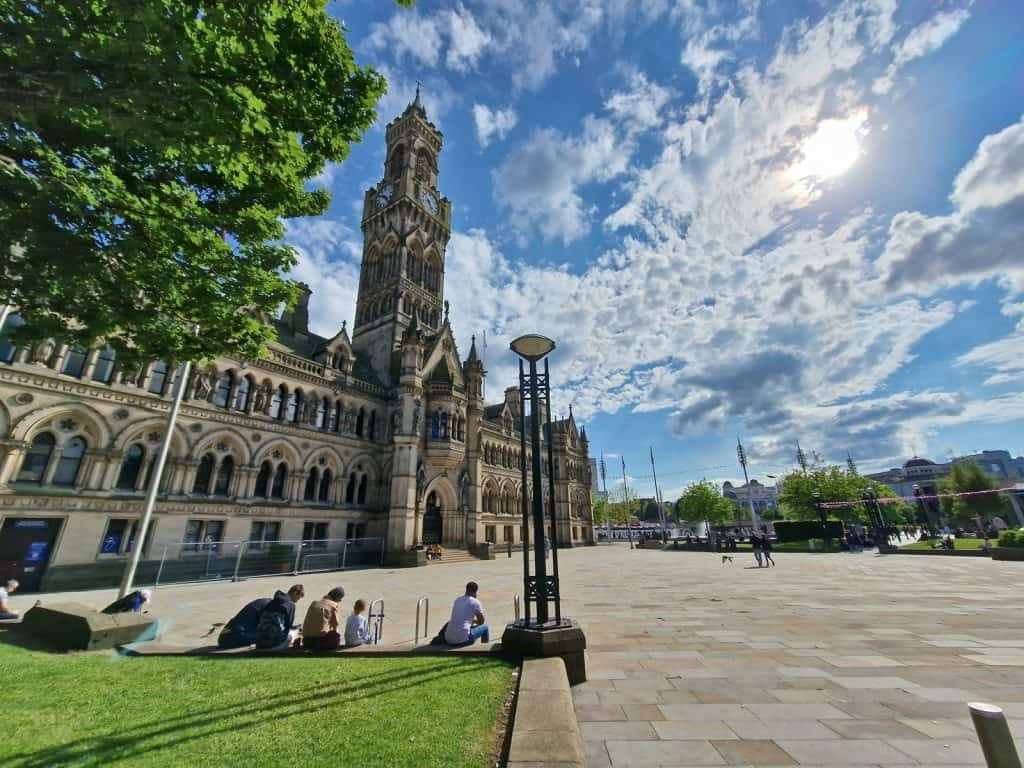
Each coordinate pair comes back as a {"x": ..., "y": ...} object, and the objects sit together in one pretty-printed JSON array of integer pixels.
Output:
[
  {"x": 927, "y": 474},
  {"x": 765, "y": 497}
]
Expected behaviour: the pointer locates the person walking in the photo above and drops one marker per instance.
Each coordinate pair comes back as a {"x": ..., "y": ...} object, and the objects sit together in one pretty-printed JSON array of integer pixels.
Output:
[
  {"x": 766, "y": 550},
  {"x": 757, "y": 545}
]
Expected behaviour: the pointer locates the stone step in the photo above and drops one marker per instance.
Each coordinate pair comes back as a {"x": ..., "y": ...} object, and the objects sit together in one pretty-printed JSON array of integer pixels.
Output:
[{"x": 455, "y": 556}]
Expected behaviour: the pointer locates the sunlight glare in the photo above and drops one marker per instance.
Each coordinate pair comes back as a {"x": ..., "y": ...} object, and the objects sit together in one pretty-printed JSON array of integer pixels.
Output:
[{"x": 832, "y": 149}]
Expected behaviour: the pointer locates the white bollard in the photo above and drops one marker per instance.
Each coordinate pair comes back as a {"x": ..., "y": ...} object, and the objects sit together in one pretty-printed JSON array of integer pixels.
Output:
[{"x": 994, "y": 736}]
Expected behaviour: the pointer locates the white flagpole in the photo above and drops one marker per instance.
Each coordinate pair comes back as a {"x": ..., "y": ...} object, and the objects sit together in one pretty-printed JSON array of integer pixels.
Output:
[{"x": 158, "y": 473}]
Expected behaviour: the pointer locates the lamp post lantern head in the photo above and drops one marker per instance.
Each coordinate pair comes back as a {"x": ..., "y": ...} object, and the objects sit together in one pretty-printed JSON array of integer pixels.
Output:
[{"x": 532, "y": 346}]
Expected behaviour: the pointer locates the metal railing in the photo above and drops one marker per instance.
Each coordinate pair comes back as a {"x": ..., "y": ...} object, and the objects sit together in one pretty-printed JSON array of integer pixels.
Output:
[
  {"x": 425, "y": 602},
  {"x": 376, "y": 621},
  {"x": 515, "y": 604},
  {"x": 190, "y": 561}
]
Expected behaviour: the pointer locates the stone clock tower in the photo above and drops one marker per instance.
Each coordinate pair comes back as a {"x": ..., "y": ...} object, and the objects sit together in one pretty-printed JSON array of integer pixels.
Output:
[{"x": 406, "y": 226}]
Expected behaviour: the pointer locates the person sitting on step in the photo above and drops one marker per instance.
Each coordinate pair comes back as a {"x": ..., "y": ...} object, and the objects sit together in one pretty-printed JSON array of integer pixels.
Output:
[{"x": 323, "y": 617}]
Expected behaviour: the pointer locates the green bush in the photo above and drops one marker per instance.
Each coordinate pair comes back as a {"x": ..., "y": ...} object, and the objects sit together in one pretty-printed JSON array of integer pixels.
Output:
[
  {"x": 802, "y": 530},
  {"x": 1011, "y": 538}
]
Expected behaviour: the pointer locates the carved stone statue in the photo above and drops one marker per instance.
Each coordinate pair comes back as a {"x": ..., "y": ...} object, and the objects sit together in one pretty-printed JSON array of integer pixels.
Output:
[
  {"x": 416, "y": 416},
  {"x": 202, "y": 385},
  {"x": 396, "y": 423},
  {"x": 44, "y": 352},
  {"x": 262, "y": 399}
]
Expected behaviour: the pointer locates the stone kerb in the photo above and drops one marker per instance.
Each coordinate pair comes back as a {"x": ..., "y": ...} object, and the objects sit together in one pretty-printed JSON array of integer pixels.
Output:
[{"x": 545, "y": 732}]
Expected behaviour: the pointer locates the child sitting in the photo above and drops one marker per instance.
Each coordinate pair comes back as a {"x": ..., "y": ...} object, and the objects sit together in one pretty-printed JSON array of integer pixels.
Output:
[{"x": 357, "y": 629}]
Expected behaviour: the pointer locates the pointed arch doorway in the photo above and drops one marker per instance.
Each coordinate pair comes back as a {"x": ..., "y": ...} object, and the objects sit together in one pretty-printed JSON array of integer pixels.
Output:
[{"x": 433, "y": 524}]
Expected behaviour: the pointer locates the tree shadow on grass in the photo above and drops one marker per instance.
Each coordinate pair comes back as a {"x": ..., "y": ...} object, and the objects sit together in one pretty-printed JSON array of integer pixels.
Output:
[{"x": 167, "y": 733}]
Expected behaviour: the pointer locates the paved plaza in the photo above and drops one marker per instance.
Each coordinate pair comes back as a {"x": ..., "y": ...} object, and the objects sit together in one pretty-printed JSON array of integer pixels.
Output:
[{"x": 826, "y": 660}]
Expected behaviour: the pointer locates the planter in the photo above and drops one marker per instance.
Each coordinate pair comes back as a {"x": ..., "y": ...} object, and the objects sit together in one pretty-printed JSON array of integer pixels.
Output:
[{"x": 1008, "y": 553}]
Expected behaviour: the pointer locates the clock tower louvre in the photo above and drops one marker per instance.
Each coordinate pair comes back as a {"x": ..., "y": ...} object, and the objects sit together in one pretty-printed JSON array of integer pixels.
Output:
[{"x": 406, "y": 225}]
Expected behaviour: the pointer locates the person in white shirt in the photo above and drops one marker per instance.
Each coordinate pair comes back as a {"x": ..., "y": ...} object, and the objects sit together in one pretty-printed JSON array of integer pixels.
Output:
[
  {"x": 467, "y": 623},
  {"x": 357, "y": 629},
  {"x": 5, "y": 609}
]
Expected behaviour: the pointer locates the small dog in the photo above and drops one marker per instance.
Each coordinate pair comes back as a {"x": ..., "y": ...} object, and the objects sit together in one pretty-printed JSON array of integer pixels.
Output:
[{"x": 726, "y": 557}]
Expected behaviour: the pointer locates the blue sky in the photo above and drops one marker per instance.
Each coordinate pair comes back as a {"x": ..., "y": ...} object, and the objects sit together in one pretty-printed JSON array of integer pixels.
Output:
[{"x": 779, "y": 220}]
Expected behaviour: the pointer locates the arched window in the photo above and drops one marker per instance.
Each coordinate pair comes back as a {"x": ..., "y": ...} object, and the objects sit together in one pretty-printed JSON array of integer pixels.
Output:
[
  {"x": 74, "y": 363},
  {"x": 280, "y": 476},
  {"x": 70, "y": 461},
  {"x": 361, "y": 498},
  {"x": 158, "y": 378},
  {"x": 359, "y": 422},
  {"x": 325, "y": 486},
  {"x": 336, "y": 418},
  {"x": 225, "y": 472},
  {"x": 444, "y": 426},
  {"x": 321, "y": 413},
  {"x": 223, "y": 392},
  {"x": 263, "y": 480},
  {"x": 277, "y": 403},
  {"x": 350, "y": 489},
  {"x": 291, "y": 411},
  {"x": 203, "y": 475},
  {"x": 311, "y": 483},
  {"x": 37, "y": 458},
  {"x": 7, "y": 349},
  {"x": 243, "y": 393},
  {"x": 435, "y": 426},
  {"x": 104, "y": 369},
  {"x": 130, "y": 468}
]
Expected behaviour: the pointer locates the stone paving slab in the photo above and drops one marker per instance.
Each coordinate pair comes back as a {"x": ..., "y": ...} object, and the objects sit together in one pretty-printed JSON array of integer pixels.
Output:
[{"x": 705, "y": 655}]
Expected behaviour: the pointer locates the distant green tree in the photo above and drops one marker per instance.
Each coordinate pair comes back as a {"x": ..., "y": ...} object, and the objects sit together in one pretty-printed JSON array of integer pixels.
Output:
[
  {"x": 968, "y": 476},
  {"x": 702, "y": 502},
  {"x": 834, "y": 483},
  {"x": 149, "y": 151}
]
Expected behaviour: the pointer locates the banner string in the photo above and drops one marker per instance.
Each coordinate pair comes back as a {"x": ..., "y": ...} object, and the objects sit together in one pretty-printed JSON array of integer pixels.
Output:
[{"x": 898, "y": 499}]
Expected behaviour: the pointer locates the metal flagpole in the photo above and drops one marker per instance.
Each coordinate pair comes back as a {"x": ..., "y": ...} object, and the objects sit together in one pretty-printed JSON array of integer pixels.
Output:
[
  {"x": 158, "y": 473},
  {"x": 607, "y": 512},
  {"x": 742, "y": 456},
  {"x": 625, "y": 500},
  {"x": 657, "y": 495}
]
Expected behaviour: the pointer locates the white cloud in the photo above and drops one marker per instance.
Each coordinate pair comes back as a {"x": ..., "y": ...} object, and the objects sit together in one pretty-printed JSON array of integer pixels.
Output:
[
  {"x": 493, "y": 123},
  {"x": 980, "y": 239},
  {"x": 466, "y": 41},
  {"x": 408, "y": 33},
  {"x": 922, "y": 40},
  {"x": 328, "y": 261},
  {"x": 640, "y": 106}
]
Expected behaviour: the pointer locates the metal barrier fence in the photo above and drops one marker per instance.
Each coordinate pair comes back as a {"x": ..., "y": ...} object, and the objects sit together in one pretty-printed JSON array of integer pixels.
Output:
[
  {"x": 376, "y": 620},
  {"x": 215, "y": 560}
]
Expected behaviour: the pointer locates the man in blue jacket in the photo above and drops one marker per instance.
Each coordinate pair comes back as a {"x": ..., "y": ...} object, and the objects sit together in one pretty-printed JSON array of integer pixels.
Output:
[{"x": 241, "y": 630}]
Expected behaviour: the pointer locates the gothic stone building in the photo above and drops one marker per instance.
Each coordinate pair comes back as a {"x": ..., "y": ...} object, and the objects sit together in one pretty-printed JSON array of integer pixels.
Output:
[{"x": 382, "y": 435}]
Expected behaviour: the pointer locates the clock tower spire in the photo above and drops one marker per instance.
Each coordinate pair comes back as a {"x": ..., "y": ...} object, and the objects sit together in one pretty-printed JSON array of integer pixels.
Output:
[{"x": 406, "y": 226}]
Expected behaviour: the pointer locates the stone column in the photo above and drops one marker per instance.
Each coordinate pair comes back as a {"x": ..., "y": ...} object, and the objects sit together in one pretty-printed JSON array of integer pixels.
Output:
[
  {"x": 90, "y": 364},
  {"x": 11, "y": 460}
]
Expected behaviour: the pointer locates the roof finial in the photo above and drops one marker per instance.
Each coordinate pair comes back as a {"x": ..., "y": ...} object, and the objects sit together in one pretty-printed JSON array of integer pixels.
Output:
[
  {"x": 344, "y": 323},
  {"x": 416, "y": 101}
]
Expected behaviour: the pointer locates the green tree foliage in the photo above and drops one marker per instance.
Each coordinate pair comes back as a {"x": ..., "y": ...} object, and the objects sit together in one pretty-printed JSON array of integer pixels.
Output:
[
  {"x": 702, "y": 502},
  {"x": 149, "y": 150},
  {"x": 834, "y": 483},
  {"x": 968, "y": 476}
]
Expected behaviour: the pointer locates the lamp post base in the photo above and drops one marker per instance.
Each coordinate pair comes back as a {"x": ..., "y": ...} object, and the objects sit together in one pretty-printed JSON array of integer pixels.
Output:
[{"x": 564, "y": 639}]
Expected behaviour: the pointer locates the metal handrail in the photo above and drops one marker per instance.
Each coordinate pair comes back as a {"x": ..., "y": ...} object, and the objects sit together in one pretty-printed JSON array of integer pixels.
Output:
[
  {"x": 376, "y": 621},
  {"x": 425, "y": 602},
  {"x": 515, "y": 604}
]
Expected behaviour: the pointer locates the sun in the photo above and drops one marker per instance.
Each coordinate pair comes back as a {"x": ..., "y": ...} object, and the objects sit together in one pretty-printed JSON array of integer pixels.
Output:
[{"x": 831, "y": 150}]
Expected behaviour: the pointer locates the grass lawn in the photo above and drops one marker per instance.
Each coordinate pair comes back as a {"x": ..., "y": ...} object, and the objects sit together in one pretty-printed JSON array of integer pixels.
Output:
[
  {"x": 95, "y": 710},
  {"x": 960, "y": 544}
]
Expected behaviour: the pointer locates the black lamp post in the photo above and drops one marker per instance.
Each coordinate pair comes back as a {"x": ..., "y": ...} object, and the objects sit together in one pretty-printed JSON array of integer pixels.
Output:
[
  {"x": 922, "y": 510},
  {"x": 821, "y": 516},
  {"x": 541, "y": 588},
  {"x": 540, "y": 634}
]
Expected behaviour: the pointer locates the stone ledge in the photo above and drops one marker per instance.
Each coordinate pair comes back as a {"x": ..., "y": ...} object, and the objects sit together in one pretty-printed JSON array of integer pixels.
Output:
[{"x": 545, "y": 733}]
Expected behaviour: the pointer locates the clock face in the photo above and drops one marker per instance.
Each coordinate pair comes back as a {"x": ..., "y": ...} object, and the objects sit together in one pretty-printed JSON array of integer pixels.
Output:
[
  {"x": 429, "y": 200},
  {"x": 384, "y": 196}
]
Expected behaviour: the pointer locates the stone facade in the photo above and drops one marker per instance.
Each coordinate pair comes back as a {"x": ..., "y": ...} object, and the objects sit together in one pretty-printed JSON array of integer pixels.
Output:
[{"x": 384, "y": 434}]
